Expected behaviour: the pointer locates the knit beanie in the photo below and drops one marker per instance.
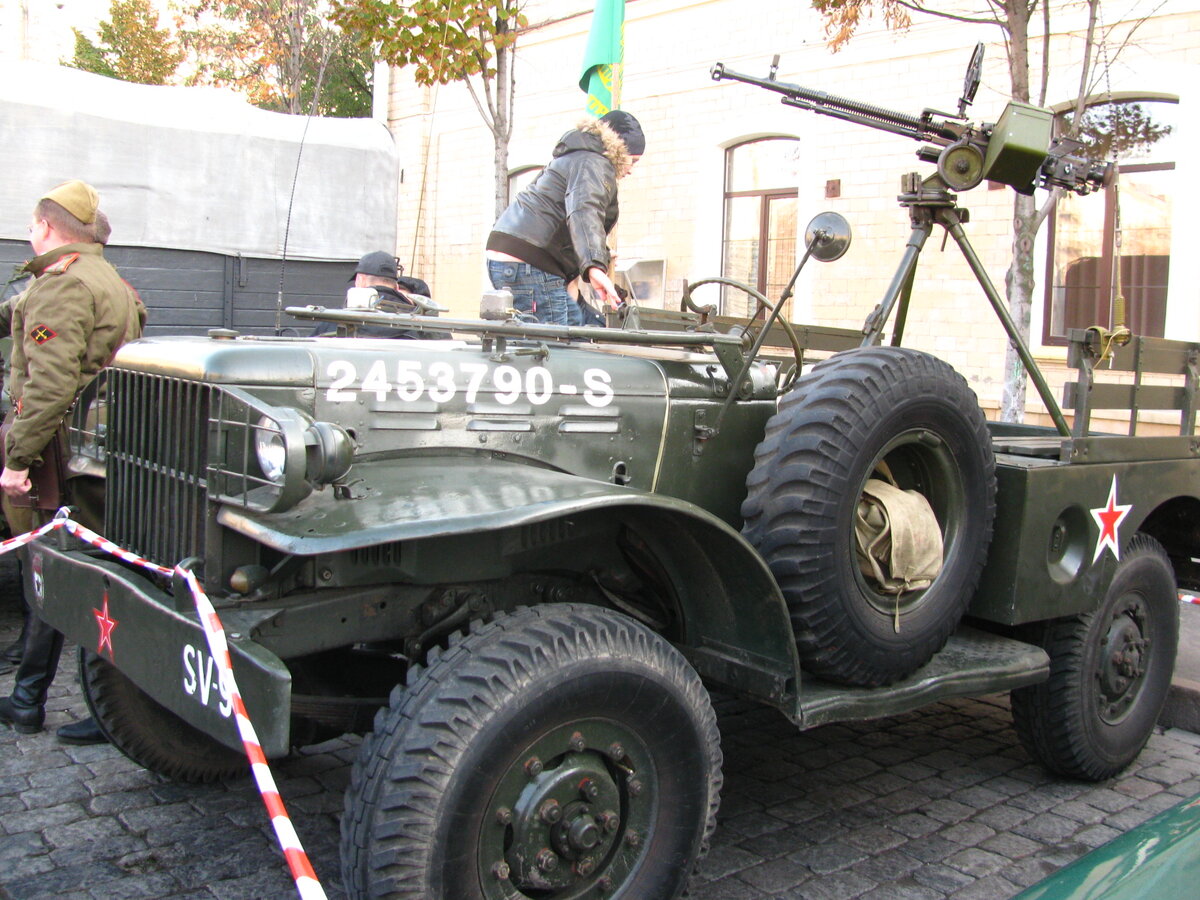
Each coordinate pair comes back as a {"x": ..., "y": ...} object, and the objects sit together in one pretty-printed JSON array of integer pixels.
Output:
[{"x": 628, "y": 129}]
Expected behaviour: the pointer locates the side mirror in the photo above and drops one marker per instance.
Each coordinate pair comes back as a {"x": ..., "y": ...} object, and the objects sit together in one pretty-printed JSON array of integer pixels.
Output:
[{"x": 827, "y": 236}]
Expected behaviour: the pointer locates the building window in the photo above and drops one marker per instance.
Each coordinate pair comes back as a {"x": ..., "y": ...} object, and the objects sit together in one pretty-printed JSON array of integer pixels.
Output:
[
  {"x": 759, "y": 246},
  {"x": 1122, "y": 242},
  {"x": 521, "y": 178}
]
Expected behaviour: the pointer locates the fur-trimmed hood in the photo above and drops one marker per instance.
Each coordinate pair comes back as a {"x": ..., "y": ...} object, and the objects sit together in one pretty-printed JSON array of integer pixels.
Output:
[{"x": 595, "y": 136}]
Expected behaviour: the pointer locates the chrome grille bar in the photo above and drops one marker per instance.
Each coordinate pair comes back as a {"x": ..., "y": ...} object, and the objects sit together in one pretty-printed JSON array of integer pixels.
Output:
[{"x": 157, "y": 451}]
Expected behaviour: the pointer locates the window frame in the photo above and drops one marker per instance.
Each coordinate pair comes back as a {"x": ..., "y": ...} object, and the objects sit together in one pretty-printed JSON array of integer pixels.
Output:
[
  {"x": 766, "y": 197},
  {"x": 1108, "y": 228}
]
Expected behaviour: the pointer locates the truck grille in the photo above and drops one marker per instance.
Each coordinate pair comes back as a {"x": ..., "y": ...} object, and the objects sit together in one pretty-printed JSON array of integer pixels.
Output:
[{"x": 157, "y": 454}]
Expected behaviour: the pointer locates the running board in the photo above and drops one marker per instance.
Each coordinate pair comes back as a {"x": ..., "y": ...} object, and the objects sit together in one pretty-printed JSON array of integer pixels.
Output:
[{"x": 972, "y": 663}]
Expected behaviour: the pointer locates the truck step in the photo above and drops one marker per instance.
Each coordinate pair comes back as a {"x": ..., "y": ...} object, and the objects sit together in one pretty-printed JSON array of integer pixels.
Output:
[{"x": 973, "y": 662}]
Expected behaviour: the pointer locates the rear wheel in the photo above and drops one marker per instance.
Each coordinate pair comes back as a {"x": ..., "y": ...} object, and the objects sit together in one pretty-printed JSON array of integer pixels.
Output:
[
  {"x": 150, "y": 734},
  {"x": 1110, "y": 671},
  {"x": 560, "y": 752}
]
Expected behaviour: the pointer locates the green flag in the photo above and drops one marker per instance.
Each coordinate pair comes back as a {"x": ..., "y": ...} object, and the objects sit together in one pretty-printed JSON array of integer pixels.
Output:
[{"x": 604, "y": 59}]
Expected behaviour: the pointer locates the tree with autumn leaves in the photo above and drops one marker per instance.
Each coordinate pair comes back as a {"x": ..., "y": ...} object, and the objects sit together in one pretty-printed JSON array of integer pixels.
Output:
[
  {"x": 472, "y": 41},
  {"x": 130, "y": 46},
  {"x": 283, "y": 55}
]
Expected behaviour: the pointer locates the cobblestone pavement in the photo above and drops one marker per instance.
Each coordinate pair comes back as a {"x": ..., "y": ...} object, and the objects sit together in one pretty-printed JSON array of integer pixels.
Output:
[{"x": 939, "y": 803}]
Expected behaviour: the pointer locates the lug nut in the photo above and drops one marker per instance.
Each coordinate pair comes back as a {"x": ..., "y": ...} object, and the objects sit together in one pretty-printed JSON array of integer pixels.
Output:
[
  {"x": 550, "y": 812},
  {"x": 635, "y": 787},
  {"x": 610, "y": 821},
  {"x": 589, "y": 789},
  {"x": 585, "y": 867},
  {"x": 504, "y": 815},
  {"x": 604, "y": 884},
  {"x": 633, "y": 838},
  {"x": 576, "y": 742},
  {"x": 501, "y": 871},
  {"x": 533, "y": 767},
  {"x": 546, "y": 860},
  {"x": 616, "y": 751}
]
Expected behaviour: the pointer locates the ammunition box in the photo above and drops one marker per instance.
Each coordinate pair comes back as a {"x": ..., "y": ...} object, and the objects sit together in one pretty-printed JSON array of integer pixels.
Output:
[{"x": 1018, "y": 146}]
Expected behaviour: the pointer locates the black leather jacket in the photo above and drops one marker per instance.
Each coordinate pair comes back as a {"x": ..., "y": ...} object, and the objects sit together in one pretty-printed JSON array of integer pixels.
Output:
[{"x": 560, "y": 223}]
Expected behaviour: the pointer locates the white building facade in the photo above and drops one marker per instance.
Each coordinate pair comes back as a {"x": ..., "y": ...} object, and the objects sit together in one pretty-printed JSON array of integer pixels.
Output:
[{"x": 711, "y": 197}]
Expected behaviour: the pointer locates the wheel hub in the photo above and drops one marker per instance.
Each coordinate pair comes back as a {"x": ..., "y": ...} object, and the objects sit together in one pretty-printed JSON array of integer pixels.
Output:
[
  {"x": 567, "y": 825},
  {"x": 1122, "y": 665}
]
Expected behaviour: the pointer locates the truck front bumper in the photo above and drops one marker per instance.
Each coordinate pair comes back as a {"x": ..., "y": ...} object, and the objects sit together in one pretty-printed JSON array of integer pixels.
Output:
[{"x": 156, "y": 640}]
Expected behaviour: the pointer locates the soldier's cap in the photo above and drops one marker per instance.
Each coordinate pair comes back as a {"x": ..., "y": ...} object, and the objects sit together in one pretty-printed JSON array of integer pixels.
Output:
[
  {"x": 379, "y": 264},
  {"x": 78, "y": 198}
]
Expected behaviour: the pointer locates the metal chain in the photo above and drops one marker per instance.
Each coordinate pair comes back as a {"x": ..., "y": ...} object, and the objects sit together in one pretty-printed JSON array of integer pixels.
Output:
[{"x": 1118, "y": 333}]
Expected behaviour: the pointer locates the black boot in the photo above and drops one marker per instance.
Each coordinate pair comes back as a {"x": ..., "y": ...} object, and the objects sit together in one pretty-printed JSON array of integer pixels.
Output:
[
  {"x": 85, "y": 731},
  {"x": 12, "y": 653},
  {"x": 10, "y": 656},
  {"x": 25, "y": 710}
]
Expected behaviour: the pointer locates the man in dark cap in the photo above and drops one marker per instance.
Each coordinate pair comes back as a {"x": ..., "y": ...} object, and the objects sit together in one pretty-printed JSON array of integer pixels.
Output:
[
  {"x": 381, "y": 271},
  {"x": 66, "y": 326},
  {"x": 554, "y": 234}
]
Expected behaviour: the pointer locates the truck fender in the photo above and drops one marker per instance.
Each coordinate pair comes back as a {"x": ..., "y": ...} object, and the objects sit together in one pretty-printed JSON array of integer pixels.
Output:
[{"x": 736, "y": 626}]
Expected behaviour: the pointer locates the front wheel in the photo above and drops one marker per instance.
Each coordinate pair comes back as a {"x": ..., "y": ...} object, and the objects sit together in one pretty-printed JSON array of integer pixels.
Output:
[
  {"x": 1110, "y": 671},
  {"x": 149, "y": 733},
  {"x": 558, "y": 753}
]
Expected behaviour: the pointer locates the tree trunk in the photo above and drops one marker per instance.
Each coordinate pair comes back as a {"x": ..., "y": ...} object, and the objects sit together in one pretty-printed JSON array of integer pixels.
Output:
[
  {"x": 1019, "y": 283},
  {"x": 1019, "y": 279},
  {"x": 502, "y": 117}
]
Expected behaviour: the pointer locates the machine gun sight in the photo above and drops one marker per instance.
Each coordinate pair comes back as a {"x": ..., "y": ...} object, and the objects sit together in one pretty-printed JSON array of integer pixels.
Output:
[{"x": 1016, "y": 151}]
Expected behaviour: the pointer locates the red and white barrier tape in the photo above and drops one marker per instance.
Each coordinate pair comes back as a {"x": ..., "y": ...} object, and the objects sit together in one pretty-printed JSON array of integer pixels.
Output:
[
  {"x": 1185, "y": 597},
  {"x": 297, "y": 860},
  {"x": 307, "y": 884}
]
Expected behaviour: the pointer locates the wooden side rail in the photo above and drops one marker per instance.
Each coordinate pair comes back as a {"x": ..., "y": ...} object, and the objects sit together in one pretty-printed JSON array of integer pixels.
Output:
[{"x": 1141, "y": 356}]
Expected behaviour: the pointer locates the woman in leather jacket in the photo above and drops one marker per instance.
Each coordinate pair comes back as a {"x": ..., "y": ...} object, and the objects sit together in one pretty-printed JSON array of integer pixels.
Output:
[{"x": 556, "y": 230}]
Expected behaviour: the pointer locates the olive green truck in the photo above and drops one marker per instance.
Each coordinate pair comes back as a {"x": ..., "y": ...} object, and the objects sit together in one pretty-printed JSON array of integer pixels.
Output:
[{"x": 516, "y": 559}]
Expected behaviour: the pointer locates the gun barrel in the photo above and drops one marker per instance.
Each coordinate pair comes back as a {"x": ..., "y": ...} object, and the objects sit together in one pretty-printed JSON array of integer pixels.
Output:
[{"x": 918, "y": 128}]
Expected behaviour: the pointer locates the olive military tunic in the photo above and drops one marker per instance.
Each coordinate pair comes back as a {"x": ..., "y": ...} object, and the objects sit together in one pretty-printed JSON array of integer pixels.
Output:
[{"x": 66, "y": 327}]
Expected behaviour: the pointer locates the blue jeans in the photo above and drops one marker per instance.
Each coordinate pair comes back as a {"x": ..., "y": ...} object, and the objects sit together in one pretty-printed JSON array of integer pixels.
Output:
[{"x": 536, "y": 292}]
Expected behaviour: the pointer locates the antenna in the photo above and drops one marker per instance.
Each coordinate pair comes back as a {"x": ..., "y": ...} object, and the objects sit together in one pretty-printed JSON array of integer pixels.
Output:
[{"x": 287, "y": 228}]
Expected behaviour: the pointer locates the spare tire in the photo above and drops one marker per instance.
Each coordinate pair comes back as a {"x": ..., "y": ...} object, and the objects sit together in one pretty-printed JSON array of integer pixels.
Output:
[{"x": 885, "y": 412}]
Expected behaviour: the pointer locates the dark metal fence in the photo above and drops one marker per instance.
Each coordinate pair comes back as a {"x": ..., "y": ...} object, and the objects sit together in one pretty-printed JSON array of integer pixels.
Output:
[{"x": 190, "y": 291}]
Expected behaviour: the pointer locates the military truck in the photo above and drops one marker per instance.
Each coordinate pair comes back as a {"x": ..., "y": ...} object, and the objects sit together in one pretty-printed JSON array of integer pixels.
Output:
[{"x": 517, "y": 559}]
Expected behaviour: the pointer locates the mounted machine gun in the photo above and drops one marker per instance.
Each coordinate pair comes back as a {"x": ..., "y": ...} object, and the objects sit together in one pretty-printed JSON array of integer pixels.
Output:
[{"x": 1017, "y": 151}]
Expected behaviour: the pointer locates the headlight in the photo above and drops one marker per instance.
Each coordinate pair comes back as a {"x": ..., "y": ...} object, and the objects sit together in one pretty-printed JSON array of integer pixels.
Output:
[
  {"x": 269, "y": 458},
  {"x": 329, "y": 452},
  {"x": 271, "y": 450}
]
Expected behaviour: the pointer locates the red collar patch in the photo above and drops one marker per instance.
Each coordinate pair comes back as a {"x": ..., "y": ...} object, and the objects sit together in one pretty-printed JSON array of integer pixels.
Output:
[
  {"x": 61, "y": 264},
  {"x": 42, "y": 333}
]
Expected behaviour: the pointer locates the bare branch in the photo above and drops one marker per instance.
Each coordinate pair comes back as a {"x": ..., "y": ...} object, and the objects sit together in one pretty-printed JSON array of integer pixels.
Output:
[
  {"x": 1114, "y": 55},
  {"x": 1044, "y": 88},
  {"x": 916, "y": 6}
]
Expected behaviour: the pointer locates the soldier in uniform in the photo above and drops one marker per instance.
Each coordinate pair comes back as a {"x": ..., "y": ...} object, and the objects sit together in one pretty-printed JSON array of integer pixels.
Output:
[{"x": 66, "y": 326}]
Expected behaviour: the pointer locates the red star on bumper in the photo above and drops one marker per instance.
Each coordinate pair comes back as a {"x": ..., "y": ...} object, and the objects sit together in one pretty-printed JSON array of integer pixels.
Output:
[
  {"x": 107, "y": 624},
  {"x": 1108, "y": 519}
]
